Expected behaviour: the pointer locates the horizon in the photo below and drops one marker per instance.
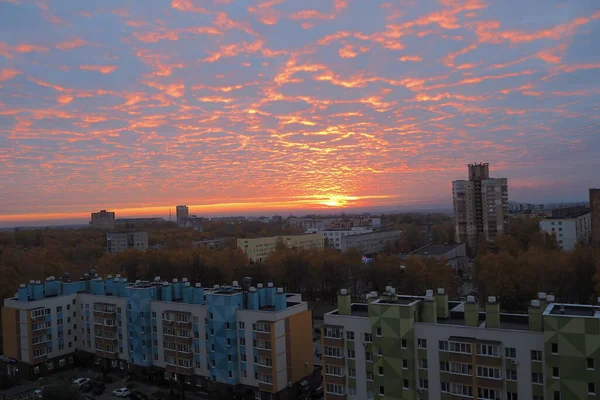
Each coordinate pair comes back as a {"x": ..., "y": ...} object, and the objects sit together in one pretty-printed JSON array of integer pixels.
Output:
[{"x": 287, "y": 107}]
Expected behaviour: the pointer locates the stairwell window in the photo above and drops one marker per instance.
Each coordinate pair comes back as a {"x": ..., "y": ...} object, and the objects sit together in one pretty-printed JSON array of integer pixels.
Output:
[
  {"x": 555, "y": 373},
  {"x": 368, "y": 338},
  {"x": 378, "y": 331},
  {"x": 554, "y": 348},
  {"x": 590, "y": 364},
  {"x": 422, "y": 343},
  {"x": 591, "y": 388},
  {"x": 536, "y": 355}
]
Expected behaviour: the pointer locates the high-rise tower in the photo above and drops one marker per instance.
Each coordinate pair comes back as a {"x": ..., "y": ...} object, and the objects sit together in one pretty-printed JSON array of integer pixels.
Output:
[{"x": 480, "y": 206}]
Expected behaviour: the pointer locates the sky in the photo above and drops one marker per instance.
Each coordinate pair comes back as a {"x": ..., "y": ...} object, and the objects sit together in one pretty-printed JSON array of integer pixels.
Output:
[{"x": 237, "y": 106}]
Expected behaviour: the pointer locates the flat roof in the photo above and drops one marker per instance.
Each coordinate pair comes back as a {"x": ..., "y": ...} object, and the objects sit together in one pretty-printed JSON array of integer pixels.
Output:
[
  {"x": 435, "y": 249},
  {"x": 573, "y": 310}
]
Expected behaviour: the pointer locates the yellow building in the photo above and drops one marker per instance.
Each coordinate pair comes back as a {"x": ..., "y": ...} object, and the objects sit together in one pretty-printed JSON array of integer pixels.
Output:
[{"x": 259, "y": 249}]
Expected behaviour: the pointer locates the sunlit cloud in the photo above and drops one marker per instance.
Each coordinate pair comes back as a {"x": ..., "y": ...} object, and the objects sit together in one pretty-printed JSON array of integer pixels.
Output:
[{"x": 281, "y": 105}]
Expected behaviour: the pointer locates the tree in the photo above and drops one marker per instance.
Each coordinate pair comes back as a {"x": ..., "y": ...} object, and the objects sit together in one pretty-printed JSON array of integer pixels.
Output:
[{"x": 61, "y": 392}]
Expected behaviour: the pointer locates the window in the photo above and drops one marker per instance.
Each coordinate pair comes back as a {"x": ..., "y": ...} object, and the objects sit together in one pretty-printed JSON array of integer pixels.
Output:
[
  {"x": 444, "y": 366},
  {"x": 368, "y": 338},
  {"x": 62, "y": 362},
  {"x": 555, "y": 373},
  {"x": 487, "y": 372},
  {"x": 405, "y": 384},
  {"x": 378, "y": 331},
  {"x": 352, "y": 372},
  {"x": 334, "y": 389},
  {"x": 333, "y": 370},
  {"x": 554, "y": 348},
  {"x": 403, "y": 343},
  {"x": 536, "y": 355},
  {"x": 443, "y": 345},
  {"x": 511, "y": 375},
  {"x": 488, "y": 350},
  {"x": 511, "y": 396},
  {"x": 370, "y": 375},
  {"x": 556, "y": 395},
  {"x": 538, "y": 397},
  {"x": 370, "y": 395},
  {"x": 333, "y": 352},
  {"x": 491, "y": 394},
  {"x": 349, "y": 335},
  {"x": 590, "y": 363},
  {"x": 422, "y": 343},
  {"x": 510, "y": 352},
  {"x": 369, "y": 356},
  {"x": 445, "y": 387},
  {"x": 59, "y": 309},
  {"x": 464, "y": 348},
  {"x": 228, "y": 342},
  {"x": 242, "y": 325},
  {"x": 461, "y": 368},
  {"x": 537, "y": 378},
  {"x": 422, "y": 363},
  {"x": 380, "y": 371},
  {"x": 227, "y": 325},
  {"x": 244, "y": 373},
  {"x": 210, "y": 315},
  {"x": 404, "y": 364},
  {"x": 351, "y": 354},
  {"x": 334, "y": 333},
  {"x": 351, "y": 392},
  {"x": 591, "y": 388},
  {"x": 379, "y": 351},
  {"x": 242, "y": 341},
  {"x": 381, "y": 390}
]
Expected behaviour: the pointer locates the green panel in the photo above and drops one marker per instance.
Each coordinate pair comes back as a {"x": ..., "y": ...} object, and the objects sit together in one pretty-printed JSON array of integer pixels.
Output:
[
  {"x": 537, "y": 390},
  {"x": 537, "y": 367},
  {"x": 350, "y": 345},
  {"x": 592, "y": 326},
  {"x": 444, "y": 355},
  {"x": 512, "y": 386},
  {"x": 352, "y": 382}
]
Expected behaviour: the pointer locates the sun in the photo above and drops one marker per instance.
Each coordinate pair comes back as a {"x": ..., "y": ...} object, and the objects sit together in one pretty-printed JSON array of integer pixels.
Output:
[{"x": 337, "y": 201}]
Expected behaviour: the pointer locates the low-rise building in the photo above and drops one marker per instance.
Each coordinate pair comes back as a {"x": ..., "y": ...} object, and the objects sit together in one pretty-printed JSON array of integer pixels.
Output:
[
  {"x": 455, "y": 255},
  {"x": 117, "y": 242},
  {"x": 259, "y": 249},
  {"x": 258, "y": 337},
  {"x": 194, "y": 222},
  {"x": 426, "y": 347},
  {"x": 103, "y": 220},
  {"x": 217, "y": 243},
  {"x": 569, "y": 226},
  {"x": 334, "y": 237},
  {"x": 368, "y": 243}
]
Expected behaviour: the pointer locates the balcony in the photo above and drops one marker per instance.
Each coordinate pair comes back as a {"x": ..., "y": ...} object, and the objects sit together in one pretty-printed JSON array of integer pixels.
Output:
[
  {"x": 185, "y": 340},
  {"x": 263, "y": 335},
  {"x": 112, "y": 355},
  {"x": 188, "y": 355},
  {"x": 333, "y": 341},
  {"x": 184, "y": 324}
]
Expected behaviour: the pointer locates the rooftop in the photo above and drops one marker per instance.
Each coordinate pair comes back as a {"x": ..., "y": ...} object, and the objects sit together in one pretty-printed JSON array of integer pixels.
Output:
[
  {"x": 571, "y": 310},
  {"x": 435, "y": 249}
]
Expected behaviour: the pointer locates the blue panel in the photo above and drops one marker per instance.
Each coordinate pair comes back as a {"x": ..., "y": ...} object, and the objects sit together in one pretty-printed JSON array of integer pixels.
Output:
[
  {"x": 253, "y": 301},
  {"x": 280, "y": 301},
  {"x": 23, "y": 294}
]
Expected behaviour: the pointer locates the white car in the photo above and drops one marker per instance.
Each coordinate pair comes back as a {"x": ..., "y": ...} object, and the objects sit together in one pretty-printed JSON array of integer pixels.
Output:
[
  {"x": 37, "y": 393},
  {"x": 79, "y": 382},
  {"x": 123, "y": 392}
]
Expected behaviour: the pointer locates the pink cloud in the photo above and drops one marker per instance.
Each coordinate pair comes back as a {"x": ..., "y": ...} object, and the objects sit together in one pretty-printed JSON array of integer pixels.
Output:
[
  {"x": 71, "y": 44},
  {"x": 6, "y": 74},
  {"x": 103, "y": 69}
]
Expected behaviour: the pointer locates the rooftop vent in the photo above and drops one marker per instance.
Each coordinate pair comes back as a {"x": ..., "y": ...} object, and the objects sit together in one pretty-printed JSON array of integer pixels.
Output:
[
  {"x": 550, "y": 298},
  {"x": 542, "y": 295},
  {"x": 175, "y": 280},
  {"x": 343, "y": 292},
  {"x": 184, "y": 280},
  {"x": 470, "y": 299},
  {"x": 562, "y": 309},
  {"x": 492, "y": 299},
  {"x": 198, "y": 285},
  {"x": 441, "y": 291},
  {"x": 216, "y": 286},
  {"x": 279, "y": 290},
  {"x": 259, "y": 285},
  {"x": 535, "y": 303},
  {"x": 429, "y": 294},
  {"x": 270, "y": 284}
]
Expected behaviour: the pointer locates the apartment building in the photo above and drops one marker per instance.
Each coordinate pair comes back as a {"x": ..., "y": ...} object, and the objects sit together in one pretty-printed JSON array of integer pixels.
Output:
[
  {"x": 569, "y": 227},
  {"x": 259, "y": 249},
  {"x": 103, "y": 220},
  {"x": 480, "y": 206},
  {"x": 426, "y": 347},
  {"x": 117, "y": 242},
  {"x": 334, "y": 236},
  {"x": 595, "y": 210},
  {"x": 181, "y": 213},
  {"x": 258, "y": 337},
  {"x": 368, "y": 243}
]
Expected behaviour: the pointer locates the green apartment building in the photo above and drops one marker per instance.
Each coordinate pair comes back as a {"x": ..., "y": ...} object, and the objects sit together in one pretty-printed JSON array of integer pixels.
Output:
[{"x": 426, "y": 347}]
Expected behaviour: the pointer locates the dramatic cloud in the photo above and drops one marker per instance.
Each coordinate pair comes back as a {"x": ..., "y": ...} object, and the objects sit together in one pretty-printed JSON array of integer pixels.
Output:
[{"x": 272, "y": 105}]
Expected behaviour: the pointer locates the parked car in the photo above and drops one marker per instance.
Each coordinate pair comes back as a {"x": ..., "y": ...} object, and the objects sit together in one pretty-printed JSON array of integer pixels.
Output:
[
  {"x": 318, "y": 392},
  {"x": 37, "y": 393},
  {"x": 123, "y": 392},
  {"x": 98, "y": 388},
  {"x": 87, "y": 387},
  {"x": 79, "y": 382},
  {"x": 304, "y": 387},
  {"x": 137, "y": 395}
]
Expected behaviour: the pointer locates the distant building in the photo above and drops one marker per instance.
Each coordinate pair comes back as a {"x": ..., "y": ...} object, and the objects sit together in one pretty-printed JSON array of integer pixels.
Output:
[
  {"x": 120, "y": 241},
  {"x": 103, "y": 220},
  {"x": 595, "y": 217},
  {"x": 217, "y": 243},
  {"x": 192, "y": 222},
  {"x": 181, "y": 212},
  {"x": 341, "y": 223},
  {"x": 368, "y": 243},
  {"x": 455, "y": 254},
  {"x": 480, "y": 206},
  {"x": 569, "y": 226},
  {"x": 259, "y": 249},
  {"x": 334, "y": 237}
]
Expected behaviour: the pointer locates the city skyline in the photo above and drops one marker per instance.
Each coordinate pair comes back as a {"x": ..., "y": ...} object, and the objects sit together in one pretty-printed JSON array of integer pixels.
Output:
[{"x": 289, "y": 107}]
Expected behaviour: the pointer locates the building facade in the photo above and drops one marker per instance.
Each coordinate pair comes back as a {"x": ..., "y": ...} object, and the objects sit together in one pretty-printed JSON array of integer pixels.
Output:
[
  {"x": 368, "y": 243},
  {"x": 455, "y": 254},
  {"x": 480, "y": 206},
  {"x": 259, "y": 249},
  {"x": 194, "y": 222},
  {"x": 595, "y": 217},
  {"x": 569, "y": 228},
  {"x": 103, "y": 220},
  {"x": 181, "y": 212},
  {"x": 117, "y": 242},
  {"x": 407, "y": 347},
  {"x": 259, "y": 337}
]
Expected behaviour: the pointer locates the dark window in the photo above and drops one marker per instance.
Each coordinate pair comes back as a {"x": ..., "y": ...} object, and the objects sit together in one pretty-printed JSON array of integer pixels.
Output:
[{"x": 554, "y": 348}]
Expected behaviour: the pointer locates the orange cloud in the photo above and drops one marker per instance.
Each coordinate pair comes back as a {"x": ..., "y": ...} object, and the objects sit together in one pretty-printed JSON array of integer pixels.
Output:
[
  {"x": 103, "y": 69},
  {"x": 347, "y": 52},
  {"x": 64, "y": 99},
  {"x": 28, "y": 48},
  {"x": 410, "y": 58},
  {"x": 188, "y": 6},
  {"x": 71, "y": 44},
  {"x": 6, "y": 74}
]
